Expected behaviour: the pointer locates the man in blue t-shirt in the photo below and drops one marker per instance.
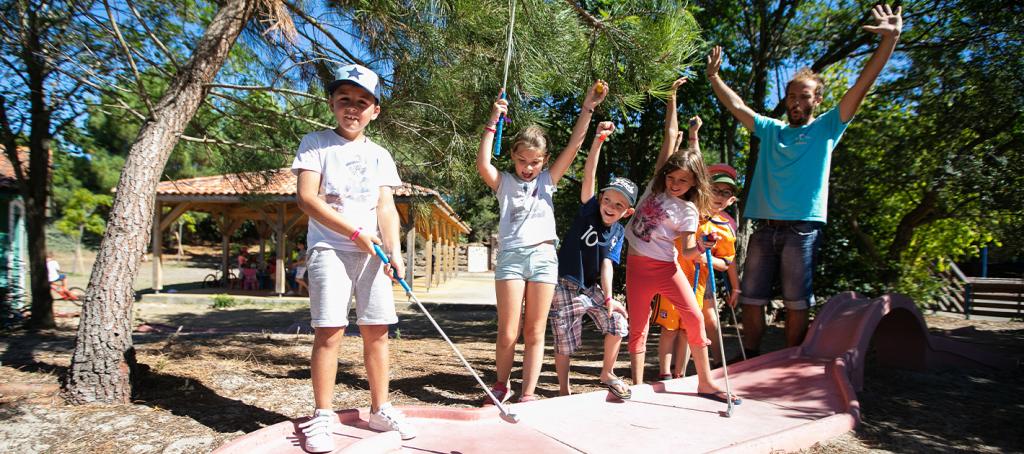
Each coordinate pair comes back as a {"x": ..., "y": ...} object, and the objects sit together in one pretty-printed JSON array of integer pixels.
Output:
[
  {"x": 789, "y": 190},
  {"x": 589, "y": 251}
]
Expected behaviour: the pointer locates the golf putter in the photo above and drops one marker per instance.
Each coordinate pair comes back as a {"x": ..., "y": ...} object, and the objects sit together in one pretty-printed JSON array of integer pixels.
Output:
[
  {"x": 736, "y": 324},
  {"x": 721, "y": 346},
  {"x": 506, "y": 415}
]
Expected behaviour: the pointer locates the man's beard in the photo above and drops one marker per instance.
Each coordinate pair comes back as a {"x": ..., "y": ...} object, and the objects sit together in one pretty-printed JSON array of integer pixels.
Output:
[{"x": 804, "y": 117}]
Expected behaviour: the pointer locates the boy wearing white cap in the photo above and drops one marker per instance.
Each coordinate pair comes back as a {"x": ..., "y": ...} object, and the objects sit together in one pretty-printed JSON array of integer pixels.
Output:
[
  {"x": 345, "y": 183},
  {"x": 590, "y": 250}
]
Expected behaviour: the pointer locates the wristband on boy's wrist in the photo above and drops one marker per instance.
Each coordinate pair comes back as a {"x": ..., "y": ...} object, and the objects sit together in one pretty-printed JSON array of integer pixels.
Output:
[
  {"x": 490, "y": 129},
  {"x": 355, "y": 234},
  {"x": 607, "y": 299}
]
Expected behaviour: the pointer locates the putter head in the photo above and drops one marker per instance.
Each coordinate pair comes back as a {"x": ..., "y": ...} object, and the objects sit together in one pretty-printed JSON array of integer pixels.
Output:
[
  {"x": 509, "y": 417},
  {"x": 726, "y": 413}
]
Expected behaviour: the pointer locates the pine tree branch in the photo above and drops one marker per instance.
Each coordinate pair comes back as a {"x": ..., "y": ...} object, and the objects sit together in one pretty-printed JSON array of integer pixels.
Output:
[
  {"x": 266, "y": 88},
  {"x": 228, "y": 143},
  {"x": 131, "y": 61},
  {"x": 317, "y": 25},
  {"x": 284, "y": 114},
  {"x": 159, "y": 44}
]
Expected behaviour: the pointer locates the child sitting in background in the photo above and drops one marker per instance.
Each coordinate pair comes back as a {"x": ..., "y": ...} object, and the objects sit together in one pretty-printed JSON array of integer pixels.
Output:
[{"x": 250, "y": 278}]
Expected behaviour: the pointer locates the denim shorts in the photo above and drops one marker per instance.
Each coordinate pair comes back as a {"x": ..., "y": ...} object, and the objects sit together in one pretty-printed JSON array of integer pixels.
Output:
[
  {"x": 785, "y": 251},
  {"x": 536, "y": 263}
]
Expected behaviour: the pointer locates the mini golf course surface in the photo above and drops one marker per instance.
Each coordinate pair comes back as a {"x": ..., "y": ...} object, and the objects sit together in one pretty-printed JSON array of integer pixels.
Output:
[{"x": 792, "y": 399}]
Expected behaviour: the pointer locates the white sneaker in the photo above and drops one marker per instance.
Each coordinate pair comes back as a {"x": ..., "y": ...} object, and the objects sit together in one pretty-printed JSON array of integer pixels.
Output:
[
  {"x": 318, "y": 431},
  {"x": 389, "y": 418}
]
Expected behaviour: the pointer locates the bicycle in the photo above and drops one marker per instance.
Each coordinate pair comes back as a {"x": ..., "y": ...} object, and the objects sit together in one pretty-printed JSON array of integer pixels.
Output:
[
  {"x": 215, "y": 279},
  {"x": 74, "y": 295}
]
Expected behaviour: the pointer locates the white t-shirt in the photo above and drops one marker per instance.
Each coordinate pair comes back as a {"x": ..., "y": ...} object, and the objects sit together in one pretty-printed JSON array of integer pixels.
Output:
[
  {"x": 52, "y": 270},
  {"x": 526, "y": 210},
  {"x": 351, "y": 174},
  {"x": 658, "y": 221}
]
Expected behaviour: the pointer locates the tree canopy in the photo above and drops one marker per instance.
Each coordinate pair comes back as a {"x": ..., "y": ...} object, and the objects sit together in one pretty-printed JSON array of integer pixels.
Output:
[{"x": 929, "y": 169}]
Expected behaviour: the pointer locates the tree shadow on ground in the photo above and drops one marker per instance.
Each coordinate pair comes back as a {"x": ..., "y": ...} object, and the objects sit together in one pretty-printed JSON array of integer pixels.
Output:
[
  {"x": 186, "y": 397},
  {"x": 22, "y": 347},
  {"x": 920, "y": 411},
  {"x": 179, "y": 395},
  {"x": 249, "y": 319},
  {"x": 460, "y": 326}
]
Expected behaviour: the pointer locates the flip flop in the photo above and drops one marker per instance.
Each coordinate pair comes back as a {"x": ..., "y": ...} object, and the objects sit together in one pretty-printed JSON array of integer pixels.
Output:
[
  {"x": 720, "y": 397},
  {"x": 613, "y": 387}
]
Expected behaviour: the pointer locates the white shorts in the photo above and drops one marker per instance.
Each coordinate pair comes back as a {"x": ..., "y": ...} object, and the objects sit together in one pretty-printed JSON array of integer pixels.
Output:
[{"x": 331, "y": 274}]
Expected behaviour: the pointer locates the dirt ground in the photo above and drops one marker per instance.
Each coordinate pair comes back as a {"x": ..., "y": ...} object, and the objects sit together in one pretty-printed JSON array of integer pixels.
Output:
[{"x": 201, "y": 390}]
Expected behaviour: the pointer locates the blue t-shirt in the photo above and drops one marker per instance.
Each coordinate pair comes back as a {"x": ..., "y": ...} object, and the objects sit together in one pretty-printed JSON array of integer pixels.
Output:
[
  {"x": 791, "y": 178},
  {"x": 587, "y": 243}
]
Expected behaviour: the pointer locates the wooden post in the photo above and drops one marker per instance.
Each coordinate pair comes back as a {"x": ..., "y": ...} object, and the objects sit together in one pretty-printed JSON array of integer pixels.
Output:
[
  {"x": 262, "y": 232},
  {"x": 447, "y": 252},
  {"x": 227, "y": 227},
  {"x": 455, "y": 251},
  {"x": 429, "y": 255},
  {"x": 410, "y": 247},
  {"x": 438, "y": 255},
  {"x": 279, "y": 231},
  {"x": 158, "y": 272},
  {"x": 225, "y": 249},
  {"x": 441, "y": 256}
]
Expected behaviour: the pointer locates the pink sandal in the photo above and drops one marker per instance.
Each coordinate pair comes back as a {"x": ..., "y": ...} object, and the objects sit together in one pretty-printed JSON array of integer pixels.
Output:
[{"x": 500, "y": 392}]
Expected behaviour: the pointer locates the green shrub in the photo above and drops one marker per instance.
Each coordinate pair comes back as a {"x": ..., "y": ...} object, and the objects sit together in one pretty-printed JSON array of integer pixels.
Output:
[{"x": 223, "y": 301}]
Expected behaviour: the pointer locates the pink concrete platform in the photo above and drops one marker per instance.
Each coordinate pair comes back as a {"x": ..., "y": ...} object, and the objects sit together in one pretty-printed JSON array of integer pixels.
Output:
[{"x": 793, "y": 398}]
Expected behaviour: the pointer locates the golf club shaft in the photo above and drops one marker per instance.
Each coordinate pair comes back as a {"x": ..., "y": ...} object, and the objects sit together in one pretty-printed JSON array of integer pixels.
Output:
[
  {"x": 408, "y": 291},
  {"x": 736, "y": 324},
  {"x": 721, "y": 344}
]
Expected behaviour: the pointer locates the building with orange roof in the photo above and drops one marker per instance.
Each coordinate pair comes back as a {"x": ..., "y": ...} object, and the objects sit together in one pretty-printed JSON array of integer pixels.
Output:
[
  {"x": 268, "y": 199},
  {"x": 13, "y": 236}
]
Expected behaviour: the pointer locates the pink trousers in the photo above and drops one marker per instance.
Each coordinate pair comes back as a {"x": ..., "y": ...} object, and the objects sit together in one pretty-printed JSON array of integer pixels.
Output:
[{"x": 646, "y": 277}]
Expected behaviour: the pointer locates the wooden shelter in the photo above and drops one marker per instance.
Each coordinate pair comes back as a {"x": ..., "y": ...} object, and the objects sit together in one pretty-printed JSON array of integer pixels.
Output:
[{"x": 268, "y": 199}]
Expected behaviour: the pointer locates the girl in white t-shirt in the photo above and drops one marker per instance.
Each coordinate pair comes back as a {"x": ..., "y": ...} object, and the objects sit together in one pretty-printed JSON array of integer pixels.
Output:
[
  {"x": 677, "y": 196},
  {"x": 527, "y": 264}
]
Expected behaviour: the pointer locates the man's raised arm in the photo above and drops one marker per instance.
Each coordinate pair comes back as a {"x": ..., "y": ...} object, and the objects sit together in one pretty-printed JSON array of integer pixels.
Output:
[
  {"x": 888, "y": 25},
  {"x": 725, "y": 94}
]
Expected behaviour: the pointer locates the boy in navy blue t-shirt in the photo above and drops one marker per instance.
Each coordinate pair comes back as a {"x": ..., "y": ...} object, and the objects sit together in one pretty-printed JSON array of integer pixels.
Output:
[{"x": 588, "y": 253}]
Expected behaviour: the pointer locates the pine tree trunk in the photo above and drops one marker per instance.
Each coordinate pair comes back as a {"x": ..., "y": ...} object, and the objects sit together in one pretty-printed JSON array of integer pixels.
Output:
[
  {"x": 104, "y": 359},
  {"x": 35, "y": 226}
]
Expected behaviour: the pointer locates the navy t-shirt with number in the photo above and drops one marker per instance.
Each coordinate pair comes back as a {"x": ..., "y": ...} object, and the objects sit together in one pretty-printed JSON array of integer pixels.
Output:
[{"x": 587, "y": 243}]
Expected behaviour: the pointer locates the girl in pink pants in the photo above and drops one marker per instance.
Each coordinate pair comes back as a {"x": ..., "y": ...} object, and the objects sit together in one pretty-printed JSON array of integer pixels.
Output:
[{"x": 677, "y": 196}]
